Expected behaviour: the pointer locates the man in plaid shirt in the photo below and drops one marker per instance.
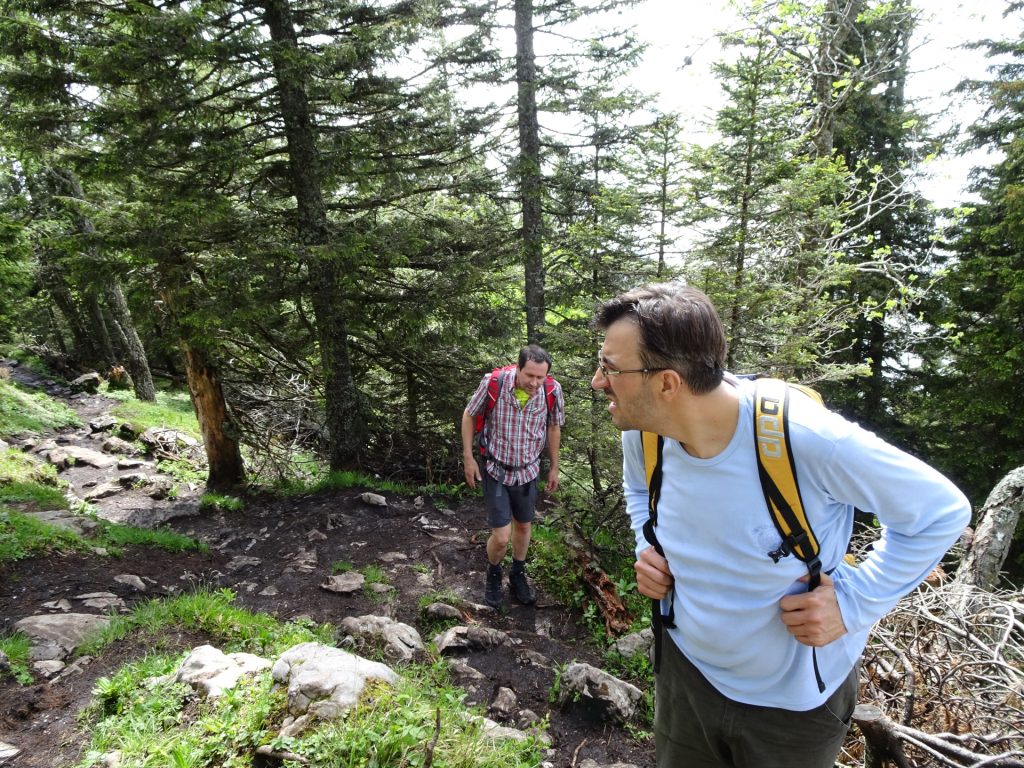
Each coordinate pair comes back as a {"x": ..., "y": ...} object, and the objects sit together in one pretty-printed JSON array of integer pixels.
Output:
[{"x": 515, "y": 434}]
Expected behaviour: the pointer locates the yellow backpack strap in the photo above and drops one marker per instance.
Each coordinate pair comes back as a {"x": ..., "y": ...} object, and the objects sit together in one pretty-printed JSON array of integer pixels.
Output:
[
  {"x": 779, "y": 483},
  {"x": 778, "y": 475},
  {"x": 652, "y": 446},
  {"x": 652, "y": 458}
]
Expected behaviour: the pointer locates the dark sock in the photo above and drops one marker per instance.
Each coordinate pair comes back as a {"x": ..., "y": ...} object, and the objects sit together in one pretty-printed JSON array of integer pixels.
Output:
[
  {"x": 492, "y": 568},
  {"x": 518, "y": 566}
]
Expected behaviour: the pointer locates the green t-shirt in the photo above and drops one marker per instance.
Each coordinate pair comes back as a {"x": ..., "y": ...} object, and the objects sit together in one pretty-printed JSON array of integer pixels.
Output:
[{"x": 522, "y": 396}]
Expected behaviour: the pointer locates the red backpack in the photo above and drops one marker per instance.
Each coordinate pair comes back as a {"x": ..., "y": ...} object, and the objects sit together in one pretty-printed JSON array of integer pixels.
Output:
[{"x": 492, "y": 398}]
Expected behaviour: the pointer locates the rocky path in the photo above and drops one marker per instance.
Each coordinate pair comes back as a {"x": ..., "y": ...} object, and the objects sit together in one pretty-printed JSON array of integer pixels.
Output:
[{"x": 297, "y": 557}]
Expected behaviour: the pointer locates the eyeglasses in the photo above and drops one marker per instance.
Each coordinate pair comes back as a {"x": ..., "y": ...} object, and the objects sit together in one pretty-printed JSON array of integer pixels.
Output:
[{"x": 609, "y": 372}]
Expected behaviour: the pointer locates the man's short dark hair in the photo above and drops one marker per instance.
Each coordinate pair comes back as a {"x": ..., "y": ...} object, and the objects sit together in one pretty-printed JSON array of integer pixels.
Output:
[
  {"x": 679, "y": 329},
  {"x": 534, "y": 354}
]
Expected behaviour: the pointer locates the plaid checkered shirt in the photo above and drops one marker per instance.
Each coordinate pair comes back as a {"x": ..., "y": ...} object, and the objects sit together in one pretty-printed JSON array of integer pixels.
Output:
[{"x": 515, "y": 435}]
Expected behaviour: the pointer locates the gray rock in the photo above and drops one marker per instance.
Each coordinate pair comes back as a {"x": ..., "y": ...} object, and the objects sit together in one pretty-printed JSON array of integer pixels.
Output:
[
  {"x": 60, "y": 518},
  {"x": 102, "y": 601},
  {"x": 4, "y": 445},
  {"x": 133, "y": 480},
  {"x": 345, "y": 583},
  {"x": 590, "y": 763},
  {"x": 102, "y": 423},
  {"x": 583, "y": 682},
  {"x": 638, "y": 642},
  {"x": 242, "y": 561},
  {"x": 67, "y": 631},
  {"x": 7, "y": 751},
  {"x": 442, "y": 611},
  {"x": 90, "y": 457},
  {"x": 158, "y": 438},
  {"x": 103, "y": 491},
  {"x": 117, "y": 445},
  {"x": 325, "y": 681},
  {"x": 504, "y": 704},
  {"x": 133, "y": 463},
  {"x": 212, "y": 672},
  {"x": 464, "y": 638},
  {"x": 131, "y": 580},
  {"x": 48, "y": 668},
  {"x": 374, "y": 499},
  {"x": 89, "y": 382},
  {"x": 58, "y": 605},
  {"x": 60, "y": 458},
  {"x": 400, "y": 641},
  {"x": 160, "y": 487}
]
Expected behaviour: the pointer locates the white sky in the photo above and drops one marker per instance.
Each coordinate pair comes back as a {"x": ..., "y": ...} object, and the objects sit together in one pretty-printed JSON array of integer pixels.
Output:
[{"x": 675, "y": 29}]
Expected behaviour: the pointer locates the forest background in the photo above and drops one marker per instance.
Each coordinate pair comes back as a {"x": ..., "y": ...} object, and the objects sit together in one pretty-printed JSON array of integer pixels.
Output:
[{"x": 330, "y": 219}]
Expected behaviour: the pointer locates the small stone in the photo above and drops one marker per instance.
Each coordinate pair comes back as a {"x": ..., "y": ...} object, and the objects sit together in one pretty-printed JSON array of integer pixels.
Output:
[
  {"x": 374, "y": 499},
  {"x": 269, "y": 591},
  {"x": 131, "y": 580}
]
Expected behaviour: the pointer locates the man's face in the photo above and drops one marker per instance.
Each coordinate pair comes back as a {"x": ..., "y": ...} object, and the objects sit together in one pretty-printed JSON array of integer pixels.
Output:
[
  {"x": 531, "y": 376},
  {"x": 632, "y": 402}
]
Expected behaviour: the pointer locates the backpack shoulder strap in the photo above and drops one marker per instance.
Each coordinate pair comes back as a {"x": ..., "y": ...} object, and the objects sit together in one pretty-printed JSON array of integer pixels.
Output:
[
  {"x": 493, "y": 389},
  {"x": 653, "y": 446},
  {"x": 549, "y": 394},
  {"x": 777, "y": 472}
]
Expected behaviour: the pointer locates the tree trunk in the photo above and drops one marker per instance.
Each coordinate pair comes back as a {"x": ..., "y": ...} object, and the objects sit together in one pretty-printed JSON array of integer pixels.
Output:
[
  {"x": 128, "y": 338},
  {"x": 993, "y": 533},
  {"x": 226, "y": 470},
  {"x": 345, "y": 426},
  {"x": 53, "y": 280},
  {"x": 100, "y": 332},
  {"x": 530, "y": 182}
]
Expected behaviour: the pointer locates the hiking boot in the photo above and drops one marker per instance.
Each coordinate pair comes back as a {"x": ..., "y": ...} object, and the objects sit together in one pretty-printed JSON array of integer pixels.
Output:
[
  {"x": 492, "y": 592},
  {"x": 521, "y": 589}
]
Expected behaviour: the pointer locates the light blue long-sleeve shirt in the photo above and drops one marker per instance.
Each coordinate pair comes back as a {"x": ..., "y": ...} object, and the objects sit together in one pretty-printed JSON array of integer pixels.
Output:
[{"x": 716, "y": 532}]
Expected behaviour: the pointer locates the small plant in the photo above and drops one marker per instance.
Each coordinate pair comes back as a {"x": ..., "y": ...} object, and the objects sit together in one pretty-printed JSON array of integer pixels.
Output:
[
  {"x": 341, "y": 566},
  {"x": 374, "y": 574},
  {"x": 220, "y": 502}
]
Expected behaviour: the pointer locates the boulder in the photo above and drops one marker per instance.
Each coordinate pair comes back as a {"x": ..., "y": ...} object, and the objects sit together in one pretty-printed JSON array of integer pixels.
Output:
[
  {"x": 88, "y": 456},
  {"x": 464, "y": 638},
  {"x": 594, "y": 687},
  {"x": 89, "y": 382},
  {"x": 212, "y": 672},
  {"x": 400, "y": 641},
  {"x": 325, "y": 681},
  {"x": 67, "y": 631}
]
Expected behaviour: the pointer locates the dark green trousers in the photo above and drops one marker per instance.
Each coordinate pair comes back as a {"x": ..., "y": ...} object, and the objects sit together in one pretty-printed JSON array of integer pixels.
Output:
[{"x": 695, "y": 726}]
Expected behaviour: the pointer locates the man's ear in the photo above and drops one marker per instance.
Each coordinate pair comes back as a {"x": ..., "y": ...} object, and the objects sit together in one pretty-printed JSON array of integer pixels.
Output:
[{"x": 671, "y": 384}]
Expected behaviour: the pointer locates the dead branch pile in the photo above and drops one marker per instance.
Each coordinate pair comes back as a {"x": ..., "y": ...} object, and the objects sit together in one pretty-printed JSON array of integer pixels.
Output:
[{"x": 945, "y": 670}]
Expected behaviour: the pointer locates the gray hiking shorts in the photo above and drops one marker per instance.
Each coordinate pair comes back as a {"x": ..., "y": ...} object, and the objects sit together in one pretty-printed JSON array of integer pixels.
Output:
[{"x": 505, "y": 502}]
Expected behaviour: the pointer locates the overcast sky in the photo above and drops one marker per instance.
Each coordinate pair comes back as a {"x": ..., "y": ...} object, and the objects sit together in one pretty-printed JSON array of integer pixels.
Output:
[{"x": 675, "y": 29}]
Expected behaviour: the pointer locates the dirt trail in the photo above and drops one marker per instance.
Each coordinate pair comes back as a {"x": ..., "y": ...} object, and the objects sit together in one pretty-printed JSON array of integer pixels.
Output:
[{"x": 274, "y": 554}]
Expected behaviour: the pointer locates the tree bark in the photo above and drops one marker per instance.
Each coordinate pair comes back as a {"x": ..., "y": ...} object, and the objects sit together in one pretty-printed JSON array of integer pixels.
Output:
[
  {"x": 128, "y": 338},
  {"x": 345, "y": 425},
  {"x": 530, "y": 181},
  {"x": 226, "y": 470},
  {"x": 993, "y": 534}
]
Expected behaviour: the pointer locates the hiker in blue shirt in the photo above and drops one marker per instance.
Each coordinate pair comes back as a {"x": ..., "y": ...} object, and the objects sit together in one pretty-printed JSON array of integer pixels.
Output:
[{"x": 755, "y": 670}]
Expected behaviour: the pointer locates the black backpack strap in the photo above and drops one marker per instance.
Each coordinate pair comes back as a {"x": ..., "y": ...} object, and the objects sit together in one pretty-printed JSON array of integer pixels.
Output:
[{"x": 653, "y": 446}]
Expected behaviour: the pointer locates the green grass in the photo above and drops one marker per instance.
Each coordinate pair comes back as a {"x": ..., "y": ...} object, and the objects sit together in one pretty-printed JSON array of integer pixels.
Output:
[
  {"x": 172, "y": 410},
  {"x": 344, "y": 480},
  {"x": 24, "y": 412},
  {"x": 27, "y": 485},
  {"x": 23, "y": 536},
  {"x": 24, "y": 480},
  {"x": 217, "y": 501},
  {"x": 16, "y": 648},
  {"x": 142, "y": 713}
]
